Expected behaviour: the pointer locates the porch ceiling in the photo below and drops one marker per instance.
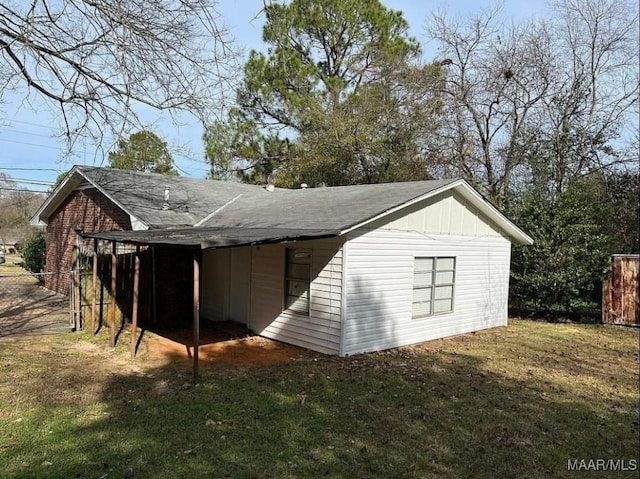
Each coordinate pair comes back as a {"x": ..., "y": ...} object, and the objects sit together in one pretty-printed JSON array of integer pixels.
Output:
[{"x": 212, "y": 237}]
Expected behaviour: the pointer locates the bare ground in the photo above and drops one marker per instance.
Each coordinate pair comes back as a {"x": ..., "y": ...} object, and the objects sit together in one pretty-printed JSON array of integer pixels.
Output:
[{"x": 26, "y": 308}]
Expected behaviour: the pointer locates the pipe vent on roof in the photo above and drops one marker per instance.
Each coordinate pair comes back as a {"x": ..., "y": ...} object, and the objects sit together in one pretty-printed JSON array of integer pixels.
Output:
[{"x": 166, "y": 204}]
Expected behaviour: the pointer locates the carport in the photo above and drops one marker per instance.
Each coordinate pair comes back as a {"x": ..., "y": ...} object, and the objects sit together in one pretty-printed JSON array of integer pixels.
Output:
[{"x": 195, "y": 240}]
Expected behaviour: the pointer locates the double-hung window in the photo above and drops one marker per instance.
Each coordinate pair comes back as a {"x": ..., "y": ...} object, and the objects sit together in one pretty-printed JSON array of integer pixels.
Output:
[
  {"x": 297, "y": 280},
  {"x": 433, "y": 282}
]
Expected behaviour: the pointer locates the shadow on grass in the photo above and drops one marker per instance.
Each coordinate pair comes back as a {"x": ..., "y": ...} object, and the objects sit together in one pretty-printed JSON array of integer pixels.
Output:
[{"x": 396, "y": 414}]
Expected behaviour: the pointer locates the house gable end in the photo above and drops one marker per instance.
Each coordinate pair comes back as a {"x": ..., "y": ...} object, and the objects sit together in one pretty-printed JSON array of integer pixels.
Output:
[
  {"x": 74, "y": 181},
  {"x": 455, "y": 209},
  {"x": 82, "y": 210},
  {"x": 449, "y": 213}
]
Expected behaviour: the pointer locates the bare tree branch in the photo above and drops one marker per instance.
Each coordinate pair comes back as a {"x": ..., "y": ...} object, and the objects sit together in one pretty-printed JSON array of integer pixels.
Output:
[{"x": 98, "y": 60}]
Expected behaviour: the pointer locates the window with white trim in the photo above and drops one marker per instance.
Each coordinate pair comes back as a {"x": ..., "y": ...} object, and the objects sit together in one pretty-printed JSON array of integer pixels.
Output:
[
  {"x": 297, "y": 280},
  {"x": 433, "y": 282}
]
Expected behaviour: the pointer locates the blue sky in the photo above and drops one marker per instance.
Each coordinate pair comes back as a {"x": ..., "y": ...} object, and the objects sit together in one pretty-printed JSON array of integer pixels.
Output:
[{"x": 28, "y": 135}]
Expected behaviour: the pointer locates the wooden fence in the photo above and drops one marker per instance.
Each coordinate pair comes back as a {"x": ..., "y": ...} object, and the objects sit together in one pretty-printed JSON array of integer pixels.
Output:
[{"x": 620, "y": 291}]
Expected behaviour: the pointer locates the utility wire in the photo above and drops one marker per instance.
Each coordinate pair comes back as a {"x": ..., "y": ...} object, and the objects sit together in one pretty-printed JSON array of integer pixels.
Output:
[
  {"x": 4, "y": 188},
  {"x": 11, "y": 168},
  {"x": 31, "y": 144},
  {"x": 22, "y": 132},
  {"x": 29, "y": 180}
]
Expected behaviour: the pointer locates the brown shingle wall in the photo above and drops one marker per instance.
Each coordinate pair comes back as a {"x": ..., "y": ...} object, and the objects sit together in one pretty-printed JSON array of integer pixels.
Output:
[{"x": 86, "y": 210}]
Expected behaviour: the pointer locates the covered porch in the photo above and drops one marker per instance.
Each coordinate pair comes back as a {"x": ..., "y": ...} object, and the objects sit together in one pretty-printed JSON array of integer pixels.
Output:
[{"x": 212, "y": 252}]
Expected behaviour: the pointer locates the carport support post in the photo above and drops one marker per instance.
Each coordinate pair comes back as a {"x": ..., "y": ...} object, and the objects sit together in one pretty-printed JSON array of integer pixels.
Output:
[
  {"x": 77, "y": 301},
  {"x": 196, "y": 311},
  {"x": 95, "y": 283},
  {"x": 136, "y": 293},
  {"x": 114, "y": 267}
]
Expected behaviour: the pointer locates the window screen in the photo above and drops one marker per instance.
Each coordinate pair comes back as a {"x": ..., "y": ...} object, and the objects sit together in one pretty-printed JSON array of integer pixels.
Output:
[{"x": 433, "y": 281}]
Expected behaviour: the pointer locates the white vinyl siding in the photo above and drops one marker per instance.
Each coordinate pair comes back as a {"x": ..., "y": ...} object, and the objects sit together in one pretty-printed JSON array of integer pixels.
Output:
[
  {"x": 448, "y": 213},
  {"x": 320, "y": 328},
  {"x": 380, "y": 280},
  {"x": 214, "y": 302},
  {"x": 225, "y": 284}
]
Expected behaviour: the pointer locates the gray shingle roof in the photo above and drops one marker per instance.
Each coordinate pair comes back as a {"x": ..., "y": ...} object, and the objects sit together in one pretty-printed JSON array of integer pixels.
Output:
[
  {"x": 142, "y": 194},
  {"x": 208, "y": 213},
  {"x": 224, "y": 204},
  {"x": 338, "y": 207}
]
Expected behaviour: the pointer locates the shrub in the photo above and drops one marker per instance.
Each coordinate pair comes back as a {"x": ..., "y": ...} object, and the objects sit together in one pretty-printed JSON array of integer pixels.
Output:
[
  {"x": 33, "y": 253},
  {"x": 561, "y": 274}
]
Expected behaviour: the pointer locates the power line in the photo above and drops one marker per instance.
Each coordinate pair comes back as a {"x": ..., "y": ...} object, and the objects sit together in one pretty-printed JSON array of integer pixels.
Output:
[
  {"x": 4, "y": 188},
  {"x": 30, "y": 124},
  {"x": 11, "y": 168},
  {"x": 31, "y": 181},
  {"x": 31, "y": 144},
  {"x": 22, "y": 132}
]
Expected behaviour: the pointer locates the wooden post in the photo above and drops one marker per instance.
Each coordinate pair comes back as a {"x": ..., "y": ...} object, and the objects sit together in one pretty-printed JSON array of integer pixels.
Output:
[
  {"x": 154, "y": 302},
  {"x": 95, "y": 284},
  {"x": 136, "y": 294},
  {"x": 196, "y": 312},
  {"x": 114, "y": 267},
  {"x": 76, "y": 289}
]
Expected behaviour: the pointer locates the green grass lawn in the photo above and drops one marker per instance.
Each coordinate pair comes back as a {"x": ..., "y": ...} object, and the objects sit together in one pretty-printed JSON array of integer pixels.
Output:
[{"x": 516, "y": 402}]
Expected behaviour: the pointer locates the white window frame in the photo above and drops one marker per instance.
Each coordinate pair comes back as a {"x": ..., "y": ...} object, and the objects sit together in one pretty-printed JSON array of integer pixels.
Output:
[
  {"x": 429, "y": 283},
  {"x": 291, "y": 278}
]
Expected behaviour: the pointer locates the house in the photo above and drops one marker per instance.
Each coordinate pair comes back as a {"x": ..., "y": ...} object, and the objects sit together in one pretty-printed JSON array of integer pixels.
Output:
[
  {"x": 340, "y": 270},
  {"x": 9, "y": 244}
]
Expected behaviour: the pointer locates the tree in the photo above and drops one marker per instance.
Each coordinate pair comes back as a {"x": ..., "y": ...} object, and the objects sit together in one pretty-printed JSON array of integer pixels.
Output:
[
  {"x": 594, "y": 90},
  {"x": 622, "y": 195},
  {"x": 143, "y": 151},
  {"x": 16, "y": 207},
  {"x": 495, "y": 77},
  {"x": 339, "y": 97},
  {"x": 542, "y": 102},
  {"x": 7, "y": 185},
  {"x": 560, "y": 275},
  {"x": 97, "y": 61}
]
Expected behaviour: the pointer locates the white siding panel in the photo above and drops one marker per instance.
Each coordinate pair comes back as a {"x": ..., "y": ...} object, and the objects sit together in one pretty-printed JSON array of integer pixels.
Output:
[
  {"x": 214, "y": 301},
  {"x": 321, "y": 329},
  {"x": 448, "y": 214},
  {"x": 379, "y": 289}
]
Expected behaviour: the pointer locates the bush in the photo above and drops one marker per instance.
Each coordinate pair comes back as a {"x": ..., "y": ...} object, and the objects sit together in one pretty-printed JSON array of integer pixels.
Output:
[
  {"x": 561, "y": 274},
  {"x": 33, "y": 253}
]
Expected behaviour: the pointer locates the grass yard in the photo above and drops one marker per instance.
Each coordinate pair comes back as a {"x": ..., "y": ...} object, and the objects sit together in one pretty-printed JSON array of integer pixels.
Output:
[{"x": 516, "y": 402}]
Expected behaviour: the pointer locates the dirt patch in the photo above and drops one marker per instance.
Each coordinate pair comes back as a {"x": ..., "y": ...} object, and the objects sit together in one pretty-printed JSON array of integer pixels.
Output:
[
  {"x": 239, "y": 351},
  {"x": 85, "y": 347}
]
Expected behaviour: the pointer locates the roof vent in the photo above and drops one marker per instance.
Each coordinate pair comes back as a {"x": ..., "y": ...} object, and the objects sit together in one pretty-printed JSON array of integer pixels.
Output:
[
  {"x": 166, "y": 204},
  {"x": 271, "y": 181},
  {"x": 304, "y": 186}
]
